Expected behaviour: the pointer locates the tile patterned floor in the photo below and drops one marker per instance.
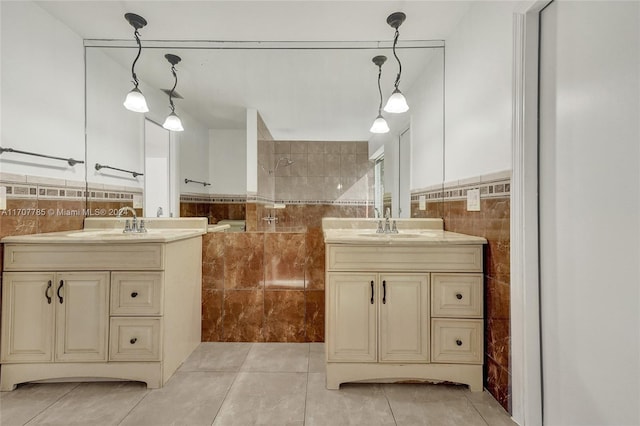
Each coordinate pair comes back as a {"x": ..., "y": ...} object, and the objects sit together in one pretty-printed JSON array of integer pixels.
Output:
[{"x": 249, "y": 384}]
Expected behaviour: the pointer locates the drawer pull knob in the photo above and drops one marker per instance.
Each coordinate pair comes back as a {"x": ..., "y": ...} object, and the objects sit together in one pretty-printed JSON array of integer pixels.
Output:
[
  {"x": 458, "y": 296},
  {"x": 133, "y": 341},
  {"x": 134, "y": 294},
  {"x": 458, "y": 342}
]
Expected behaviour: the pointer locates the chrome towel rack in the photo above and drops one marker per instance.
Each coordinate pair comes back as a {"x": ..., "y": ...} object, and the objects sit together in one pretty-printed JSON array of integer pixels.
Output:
[
  {"x": 196, "y": 181},
  {"x": 70, "y": 161},
  {"x": 102, "y": 166}
]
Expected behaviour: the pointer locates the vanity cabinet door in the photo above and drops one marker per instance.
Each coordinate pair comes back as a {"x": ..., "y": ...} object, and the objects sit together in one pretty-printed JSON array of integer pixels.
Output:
[
  {"x": 27, "y": 316},
  {"x": 82, "y": 316},
  {"x": 351, "y": 317},
  {"x": 404, "y": 317}
]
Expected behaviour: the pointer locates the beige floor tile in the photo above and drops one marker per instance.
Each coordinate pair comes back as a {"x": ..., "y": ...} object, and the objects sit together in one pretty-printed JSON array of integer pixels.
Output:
[
  {"x": 490, "y": 409},
  {"x": 316, "y": 362},
  {"x": 217, "y": 356},
  {"x": 316, "y": 347},
  {"x": 264, "y": 399},
  {"x": 353, "y": 404},
  {"x": 425, "y": 392},
  {"x": 27, "y": 401},
  {"x": 101, "y": 403},
  {"x": 277, "y": 357},
  {"x": 188, "y": 398}
]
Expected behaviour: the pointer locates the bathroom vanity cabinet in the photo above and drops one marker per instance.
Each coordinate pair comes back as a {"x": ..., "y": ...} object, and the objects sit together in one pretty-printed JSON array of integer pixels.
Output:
[
  {"x": 403, "y": 307},
  {"x": 99, "y": 309}
]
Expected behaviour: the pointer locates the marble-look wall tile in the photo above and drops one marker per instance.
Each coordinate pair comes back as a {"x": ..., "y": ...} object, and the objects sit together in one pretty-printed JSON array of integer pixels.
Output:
[
  {"x": 13, "y": 220},
  {"x": 61, "y": 215},
  {"x": 251, "y": 217},
  {"x": 497, "y": 299},
  {"x": 212, "y": 313},
  {"x": 243, "y": 260},
  {"x": 284, "y": 316},
  {"x": 284, "y": 257},
  {"x": 499, "y": 383},
  {"x": 213, "y": 254},
  {"x": 314, "y": 320},
  {"x": 315, "y": 259},
  {"x": 243, "y": 316},
  {"x": 498, "y": 339}
]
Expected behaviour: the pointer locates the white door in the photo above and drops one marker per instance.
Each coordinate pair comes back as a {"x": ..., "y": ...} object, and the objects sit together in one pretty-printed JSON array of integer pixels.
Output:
[
  {"x": 157, "y": 163},
  {"x": 589, "y": 200}
]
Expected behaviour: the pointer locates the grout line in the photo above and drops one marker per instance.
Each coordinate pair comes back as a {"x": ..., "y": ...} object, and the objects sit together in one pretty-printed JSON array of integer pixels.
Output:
[
  {"x": 147, "y": 393},
  {"x": 225, "y": 397},
  {"x": 384, "y": 392},
  {"x": 476, "y": 409},
  {"x": 306, "y": 391},
  {"x": 52, "y": 403}
]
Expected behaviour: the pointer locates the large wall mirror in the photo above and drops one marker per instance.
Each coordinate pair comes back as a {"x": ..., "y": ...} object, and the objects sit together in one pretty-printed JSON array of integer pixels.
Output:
[{"x": 270, "y": 121}]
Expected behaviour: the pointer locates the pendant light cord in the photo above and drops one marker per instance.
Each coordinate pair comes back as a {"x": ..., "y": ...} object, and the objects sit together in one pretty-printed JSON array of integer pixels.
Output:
[
  {"x": 175, "y": 76},
  {"x": 380, "y": 89},
  {"x": 133, "y": 66},
  {"x": 395, "y": 41}
]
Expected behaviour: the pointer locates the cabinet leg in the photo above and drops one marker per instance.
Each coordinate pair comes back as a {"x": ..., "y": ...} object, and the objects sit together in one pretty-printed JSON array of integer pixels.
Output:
[{"x": 332, "y": 384}]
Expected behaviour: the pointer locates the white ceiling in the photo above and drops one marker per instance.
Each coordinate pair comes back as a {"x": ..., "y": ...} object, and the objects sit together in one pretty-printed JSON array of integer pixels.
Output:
[{"x": 302, "y": 94}]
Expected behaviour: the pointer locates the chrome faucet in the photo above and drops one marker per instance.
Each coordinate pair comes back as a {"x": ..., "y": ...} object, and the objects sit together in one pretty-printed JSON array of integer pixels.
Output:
[
  {"x": 127, "y": 226},
  {"x": 388, "y": 227}
]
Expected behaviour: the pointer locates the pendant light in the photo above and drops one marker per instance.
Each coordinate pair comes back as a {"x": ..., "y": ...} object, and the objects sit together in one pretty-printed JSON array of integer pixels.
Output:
[
  {"x": 396, "y": 103},
  {"x": 135, "y": 100},
  {"x": 172, "y": 122},
  {"x": 380, "y": 124}
]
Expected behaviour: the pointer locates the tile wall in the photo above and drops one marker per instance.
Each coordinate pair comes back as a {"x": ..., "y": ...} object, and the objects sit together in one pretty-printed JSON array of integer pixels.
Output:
[{"x": 493, "y": 223}]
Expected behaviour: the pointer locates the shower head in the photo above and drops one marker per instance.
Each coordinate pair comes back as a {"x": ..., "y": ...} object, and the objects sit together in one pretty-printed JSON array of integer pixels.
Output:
[{"x": 285, "y": 161}]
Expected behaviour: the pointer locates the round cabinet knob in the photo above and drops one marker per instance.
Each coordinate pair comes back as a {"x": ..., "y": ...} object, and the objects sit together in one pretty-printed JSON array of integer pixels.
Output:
[
  {"x": 458, "y": 296},
  {"x": 458, "y": 342},
  {"x": 133, "y": 341},
  {"x": 134, "y": 294}
]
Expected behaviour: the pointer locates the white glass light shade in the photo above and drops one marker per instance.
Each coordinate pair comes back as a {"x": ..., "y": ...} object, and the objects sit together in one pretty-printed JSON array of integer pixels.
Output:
[
  {"x": 135, "y": 101},
  {"x": 379, "y": 125},
  {"x": 173, "y": 123},
  {"x": 397, "y": 103}
]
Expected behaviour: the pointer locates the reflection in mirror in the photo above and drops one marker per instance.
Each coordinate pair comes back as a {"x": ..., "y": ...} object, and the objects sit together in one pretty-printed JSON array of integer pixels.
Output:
[{"x": 280, "y": 133}]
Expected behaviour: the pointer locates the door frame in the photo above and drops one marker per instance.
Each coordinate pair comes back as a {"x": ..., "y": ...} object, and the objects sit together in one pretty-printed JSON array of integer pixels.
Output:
[{"x": 526, "y": 366}]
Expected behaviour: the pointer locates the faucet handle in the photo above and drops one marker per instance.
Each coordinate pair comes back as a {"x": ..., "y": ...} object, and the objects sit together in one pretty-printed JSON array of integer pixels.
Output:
[
  {"x": 127, "y": 226},
  {"x": 141, "y": 227},
  {"x": 394, "y": 227},
  {"x": 380, "y": 230}
]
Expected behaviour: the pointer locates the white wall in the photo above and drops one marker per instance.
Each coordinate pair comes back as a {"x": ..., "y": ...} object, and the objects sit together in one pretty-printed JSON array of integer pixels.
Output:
[
  {"x": 590, "y": 213},
  {"x": 114, "y": 134},
  {"x": 42, "y": 91},
  {"x": 426, "y": 100},
  {"x": 251, "y": 162},
  {"x": 228, "y": 161},
  {"x": 478, "y": 91}
]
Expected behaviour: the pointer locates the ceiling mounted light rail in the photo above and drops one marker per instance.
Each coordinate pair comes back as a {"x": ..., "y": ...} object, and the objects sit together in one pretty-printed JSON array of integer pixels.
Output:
[
  {"x": 172, "y": 122},
  {"x": 396, "y": 103},
  {"x": 135, "y": 100},
  {"x": 379, "y": 124}
]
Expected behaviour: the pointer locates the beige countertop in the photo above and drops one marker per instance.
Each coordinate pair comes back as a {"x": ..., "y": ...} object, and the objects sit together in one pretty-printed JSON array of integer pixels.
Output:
[
  {"x": 109, "y": 230},
  {"x": 410, "y": 232}
]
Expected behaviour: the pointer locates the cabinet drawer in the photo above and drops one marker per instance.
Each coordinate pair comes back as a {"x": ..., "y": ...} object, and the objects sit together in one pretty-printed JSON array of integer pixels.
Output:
[
  {"x": 463, "y": 258},
  {"x": 136, "y": 293},
  {"x": 134, "y": 339},
  {"x": 456, "y": 295},
  {"x": 83, "y": 257},
  {"x": 456, "y": 341}
]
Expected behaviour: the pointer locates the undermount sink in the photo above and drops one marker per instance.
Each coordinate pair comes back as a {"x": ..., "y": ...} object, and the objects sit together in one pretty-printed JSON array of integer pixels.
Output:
[{"x": 109, "y": 233}]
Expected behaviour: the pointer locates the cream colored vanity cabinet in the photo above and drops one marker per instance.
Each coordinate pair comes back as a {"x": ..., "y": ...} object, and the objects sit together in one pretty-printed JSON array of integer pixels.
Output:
[
  {"x": 367, "y": 309},
  {"x": 404, "y": 312},
  {"x": 129, "y": 311},
  {"x": 61, "y": 317}
]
